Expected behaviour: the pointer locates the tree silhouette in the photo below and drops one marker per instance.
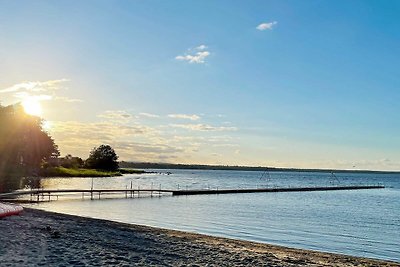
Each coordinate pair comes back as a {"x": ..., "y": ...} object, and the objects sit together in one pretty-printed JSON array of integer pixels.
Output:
[
  {"x": 103, "y": 158},
  {"x": 70, "y": 162},
  {"x": 24, "y": 145}
]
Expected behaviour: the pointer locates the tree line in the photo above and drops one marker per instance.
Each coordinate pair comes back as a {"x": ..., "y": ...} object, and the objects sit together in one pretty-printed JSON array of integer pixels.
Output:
[{"x": 26, "y": 148}]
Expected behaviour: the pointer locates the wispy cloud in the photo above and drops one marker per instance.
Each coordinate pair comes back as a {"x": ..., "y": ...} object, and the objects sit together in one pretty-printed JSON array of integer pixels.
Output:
[
  {"x": 147, "y": 148},
  {"x": 35, "y": 86},
  {"x": 225, "y": 145},
  {"x": 141, "y": 151},
  {"x": 25, "y": 95},
  {"x": 199, "y": 56},
  {"x": 39, "y": 90},
  {"x": 115, "y": 115},
  {"x": 148, "y": 115},
  {"x": 202, "y": 47},
  {"x": 79, "y": 137},
  {"x": 131, "y": 141},
  {"x": 67, "y": 99},
  {"x": 266, "y": 25},
  {"x": 203, "y": 127},
  {"x": 142, "y": 140},
  {"x": 193, "y": 117},
  {"x": 105, "y": 131}
]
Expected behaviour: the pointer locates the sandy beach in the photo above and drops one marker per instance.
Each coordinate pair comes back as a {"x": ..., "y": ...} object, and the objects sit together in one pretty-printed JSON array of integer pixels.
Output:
[{"x": 39, "y": 238}]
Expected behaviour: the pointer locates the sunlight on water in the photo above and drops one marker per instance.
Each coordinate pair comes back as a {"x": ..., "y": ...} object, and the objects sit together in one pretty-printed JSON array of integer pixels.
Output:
[{"x": 362, "y": 223}]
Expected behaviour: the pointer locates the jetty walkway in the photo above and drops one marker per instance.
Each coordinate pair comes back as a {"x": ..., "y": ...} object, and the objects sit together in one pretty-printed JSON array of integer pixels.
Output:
[
  {"x": 37, "y": 195},
  {"x": 274, "y": 190}
]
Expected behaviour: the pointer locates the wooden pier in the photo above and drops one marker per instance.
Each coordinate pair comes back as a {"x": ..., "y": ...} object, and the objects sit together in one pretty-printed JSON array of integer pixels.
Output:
[
  {"x": 273, "y": 190},
  {"x": 47, "y": 194},
  {"x": 37, "y": 195}
]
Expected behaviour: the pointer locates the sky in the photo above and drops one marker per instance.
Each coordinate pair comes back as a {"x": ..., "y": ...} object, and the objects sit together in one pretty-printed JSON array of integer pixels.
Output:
[{"x": 306, "y": 84}]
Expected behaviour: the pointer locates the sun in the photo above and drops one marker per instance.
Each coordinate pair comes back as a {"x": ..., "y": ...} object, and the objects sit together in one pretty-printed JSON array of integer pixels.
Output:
[{"x": 32, "y": 107}]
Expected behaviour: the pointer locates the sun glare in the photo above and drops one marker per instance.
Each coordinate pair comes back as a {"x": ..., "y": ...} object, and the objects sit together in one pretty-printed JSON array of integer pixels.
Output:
[
  {"x": 46, "y": 125},
  {"x": 32, "y": 107}
]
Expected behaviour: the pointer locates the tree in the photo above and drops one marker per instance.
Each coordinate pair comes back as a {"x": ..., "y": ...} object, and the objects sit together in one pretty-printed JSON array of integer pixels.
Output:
[
  {"x": 22, "y": 139},
  {"x": 24, "y": 145},
  {"x": 70, "y": 162},
  {"x": 103, "y": 158}
]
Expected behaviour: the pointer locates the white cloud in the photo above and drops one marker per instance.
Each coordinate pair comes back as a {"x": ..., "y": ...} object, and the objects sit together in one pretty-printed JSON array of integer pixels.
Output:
[
  {"x": 198, "y": 58},
  {"x": 266, "y": 26},
  {"x": 148, "y": 115},
  {"x": 202, "y": 47},
  {"x": 35, "y": 86},
  {"x": 195, "y": 57},
  {"x": 193, "y": 117},
  {"x": 25, "y": 95},
  {"x": 39, "y": 90},
  {"x": 203, "y": 127}
]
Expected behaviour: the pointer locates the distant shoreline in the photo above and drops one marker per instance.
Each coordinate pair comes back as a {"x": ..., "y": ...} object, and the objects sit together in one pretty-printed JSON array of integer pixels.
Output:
[{"x": 150, "y": 165}]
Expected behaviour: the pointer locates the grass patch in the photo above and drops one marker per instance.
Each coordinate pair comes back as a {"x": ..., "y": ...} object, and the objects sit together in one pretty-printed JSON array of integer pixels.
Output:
[{"x": 67, "y": 172}]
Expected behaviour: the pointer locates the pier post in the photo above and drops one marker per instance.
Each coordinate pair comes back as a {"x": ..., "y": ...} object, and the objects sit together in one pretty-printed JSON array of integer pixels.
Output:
[
  {"x": 91, "y": 191},
  {"x": 131, "y": 189}
]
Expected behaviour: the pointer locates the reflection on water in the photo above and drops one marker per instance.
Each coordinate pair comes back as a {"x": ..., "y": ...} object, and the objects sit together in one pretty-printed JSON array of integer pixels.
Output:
[
  {"x": 362, "y": 223},
  {"x": 13, "y": 181}
]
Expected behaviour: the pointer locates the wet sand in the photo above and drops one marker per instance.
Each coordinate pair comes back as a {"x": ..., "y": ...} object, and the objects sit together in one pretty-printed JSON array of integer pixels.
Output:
[{"x": 39, "y": 238}]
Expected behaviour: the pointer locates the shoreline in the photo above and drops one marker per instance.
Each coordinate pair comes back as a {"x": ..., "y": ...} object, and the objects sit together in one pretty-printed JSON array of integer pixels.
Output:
[
  {"x": 40, "y": 237},
  {"x": 86, "y": 173},
  {"x": 181, "y": 166}
]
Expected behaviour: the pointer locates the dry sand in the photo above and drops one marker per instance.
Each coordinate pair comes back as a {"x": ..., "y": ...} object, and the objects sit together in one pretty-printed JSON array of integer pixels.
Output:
[{"x": 39, "y": 238}]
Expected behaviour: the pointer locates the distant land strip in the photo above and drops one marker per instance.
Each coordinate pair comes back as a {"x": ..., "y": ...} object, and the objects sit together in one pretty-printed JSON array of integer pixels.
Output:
[{"x": 151, "y": 165}]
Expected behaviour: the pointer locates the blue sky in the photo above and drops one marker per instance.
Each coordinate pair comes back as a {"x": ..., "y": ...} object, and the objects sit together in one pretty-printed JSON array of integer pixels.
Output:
[{"x": 316, "y": 85}]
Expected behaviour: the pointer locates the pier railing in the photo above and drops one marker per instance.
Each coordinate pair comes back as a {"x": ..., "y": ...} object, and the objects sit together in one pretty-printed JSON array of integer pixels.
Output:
[{"x": 37, "y": 195}]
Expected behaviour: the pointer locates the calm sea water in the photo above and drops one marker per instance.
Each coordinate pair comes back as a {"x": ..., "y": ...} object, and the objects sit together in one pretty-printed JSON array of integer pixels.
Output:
[{"x": 361, "y": 223}]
